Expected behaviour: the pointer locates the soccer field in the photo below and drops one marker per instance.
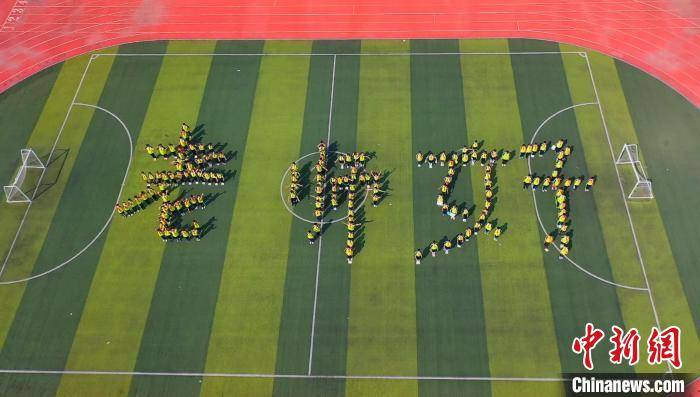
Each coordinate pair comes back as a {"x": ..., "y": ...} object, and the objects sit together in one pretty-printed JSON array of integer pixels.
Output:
[{"x": 94, "y": 304}]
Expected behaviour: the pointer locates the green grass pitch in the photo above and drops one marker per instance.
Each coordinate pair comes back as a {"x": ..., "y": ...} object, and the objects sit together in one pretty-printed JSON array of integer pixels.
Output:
[{"x": 253, "y": 309}]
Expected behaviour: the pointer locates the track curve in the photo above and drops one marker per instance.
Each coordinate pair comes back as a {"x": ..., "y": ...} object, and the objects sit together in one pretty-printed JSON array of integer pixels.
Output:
[{"x": 661, "y": 37}]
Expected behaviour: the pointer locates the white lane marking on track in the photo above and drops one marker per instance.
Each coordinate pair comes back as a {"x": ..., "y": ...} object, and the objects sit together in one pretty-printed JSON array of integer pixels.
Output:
[
  {"x": 111, "y": 215},
  {"x": 537, "y": 211}
]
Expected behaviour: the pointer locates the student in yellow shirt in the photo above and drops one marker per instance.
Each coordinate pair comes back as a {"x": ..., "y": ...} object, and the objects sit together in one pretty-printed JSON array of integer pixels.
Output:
[
  {"x": 563, "y": 251},
  {"x": 505, "y": 158},
  {"x": 497, "y": 233},
  {"x": 349, "y": 254},
  {"x": 151, "y": 151},
  {"x": 419, "y": 158},
  {"x": 447, "y": 246},
  {"x": 547, "y": 242},
  {"x": 434, "y": 248},
  {"x": 590, "y": 183},
  {"x": 431, "y": 159},
  {"x": 468, "y": 234},
  {"x": 443, "y": 158}
]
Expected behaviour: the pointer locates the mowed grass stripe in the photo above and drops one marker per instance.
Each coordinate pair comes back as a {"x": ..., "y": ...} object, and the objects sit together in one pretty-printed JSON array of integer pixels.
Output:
[
  {"x": 247, "y": 318},
  {"x": 619, "y": 243},
  {"x": 36, "y": 226},
  {"x": 23, "y": 105},
  {"x": 449, "y": 307},
  {"x": 177, "y": 327},
  {"x": 667, "y": 112},
  {"x": 297, "y": 309},
  {"x": 102, "y": 338},
  {"x": 519, "y": 324},
  {"x": 382, "y": 325},
  {"x": 576, "y": 298},
  {"x": 182, "y": 309},
  {"x": 46, "y": 321},
  {"x": 332, "y": 300}
]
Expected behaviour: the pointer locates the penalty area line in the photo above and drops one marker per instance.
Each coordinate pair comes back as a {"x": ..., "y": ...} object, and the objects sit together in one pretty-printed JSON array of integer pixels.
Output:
[
  {"x": 537, "y": 211},
  {"x": 624, "y": 201},
  {"x": 111, "y": 214},
  {"x": 48, "y": 161}
]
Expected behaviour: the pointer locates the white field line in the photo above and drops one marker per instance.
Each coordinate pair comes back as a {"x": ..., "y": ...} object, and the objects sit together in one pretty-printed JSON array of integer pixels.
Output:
[
  {"x": 48, "y": 161},
  {"x": 343, "y": 54},
  {"x": 320, "y": 237},
  {"x": 309, "y": 376},
  {"x": 111, "y": 214},
  {"x": 537, "y": 211},
  {"x": 278, "y": 376},
  {"x": 624, "y": 200}
]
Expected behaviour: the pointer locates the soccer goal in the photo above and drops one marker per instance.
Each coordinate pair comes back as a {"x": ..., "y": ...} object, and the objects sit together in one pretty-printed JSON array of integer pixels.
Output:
[
  {"x": 14, "y": 193},
  {"x": 642, "y": 186}
]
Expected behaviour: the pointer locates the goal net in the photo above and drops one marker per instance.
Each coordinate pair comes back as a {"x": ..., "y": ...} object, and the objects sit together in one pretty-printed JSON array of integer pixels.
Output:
[
  {"x": 16, "y": 192},
  {"x": 642, "y": 184}
]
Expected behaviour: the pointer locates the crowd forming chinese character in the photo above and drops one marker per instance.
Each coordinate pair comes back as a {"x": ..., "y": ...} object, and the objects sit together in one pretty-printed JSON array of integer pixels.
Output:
[
  {"x": 557, "y": 182},
  {"x": 455, "y": 161},
  {"x": 561, "y": 184},
  {"x": 192, "y": 162},
  {"x": 349, "y": 187}
]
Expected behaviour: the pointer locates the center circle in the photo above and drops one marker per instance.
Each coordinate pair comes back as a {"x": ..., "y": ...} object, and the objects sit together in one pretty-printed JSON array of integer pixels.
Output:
[{"x": 291, "y": 209}]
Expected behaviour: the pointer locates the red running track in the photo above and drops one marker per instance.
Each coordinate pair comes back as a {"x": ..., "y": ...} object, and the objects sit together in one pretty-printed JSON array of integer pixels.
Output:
[{"x": 661, "y": 37}]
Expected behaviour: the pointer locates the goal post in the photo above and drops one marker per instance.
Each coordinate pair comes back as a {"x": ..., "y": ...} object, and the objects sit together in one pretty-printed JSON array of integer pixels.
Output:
[
  {"x": 629, "y": 155},
  {"x": 30, "y": 159},
  {"x": 14, "y": 192}
]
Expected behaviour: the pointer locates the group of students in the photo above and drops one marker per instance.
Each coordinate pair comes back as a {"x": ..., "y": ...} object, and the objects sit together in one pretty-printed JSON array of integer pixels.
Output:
[
  {"x": 182, "y": 177},
  {"x": 562, "y": 231},
  {"x": 193, "y": 162},
  {"x": 136, "y": 203},
  {"x": 556, "y": 180},
  {"x": 169, "y": 211},
  {"x": 547, "y": 182},
  {"x": 321, "y": 168},
  {"x": 294, "y": 185},
  {"x": 466, "y": 156},
  {"x": 559, "y": 183},
  {"x": 350, "y": 185}
]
